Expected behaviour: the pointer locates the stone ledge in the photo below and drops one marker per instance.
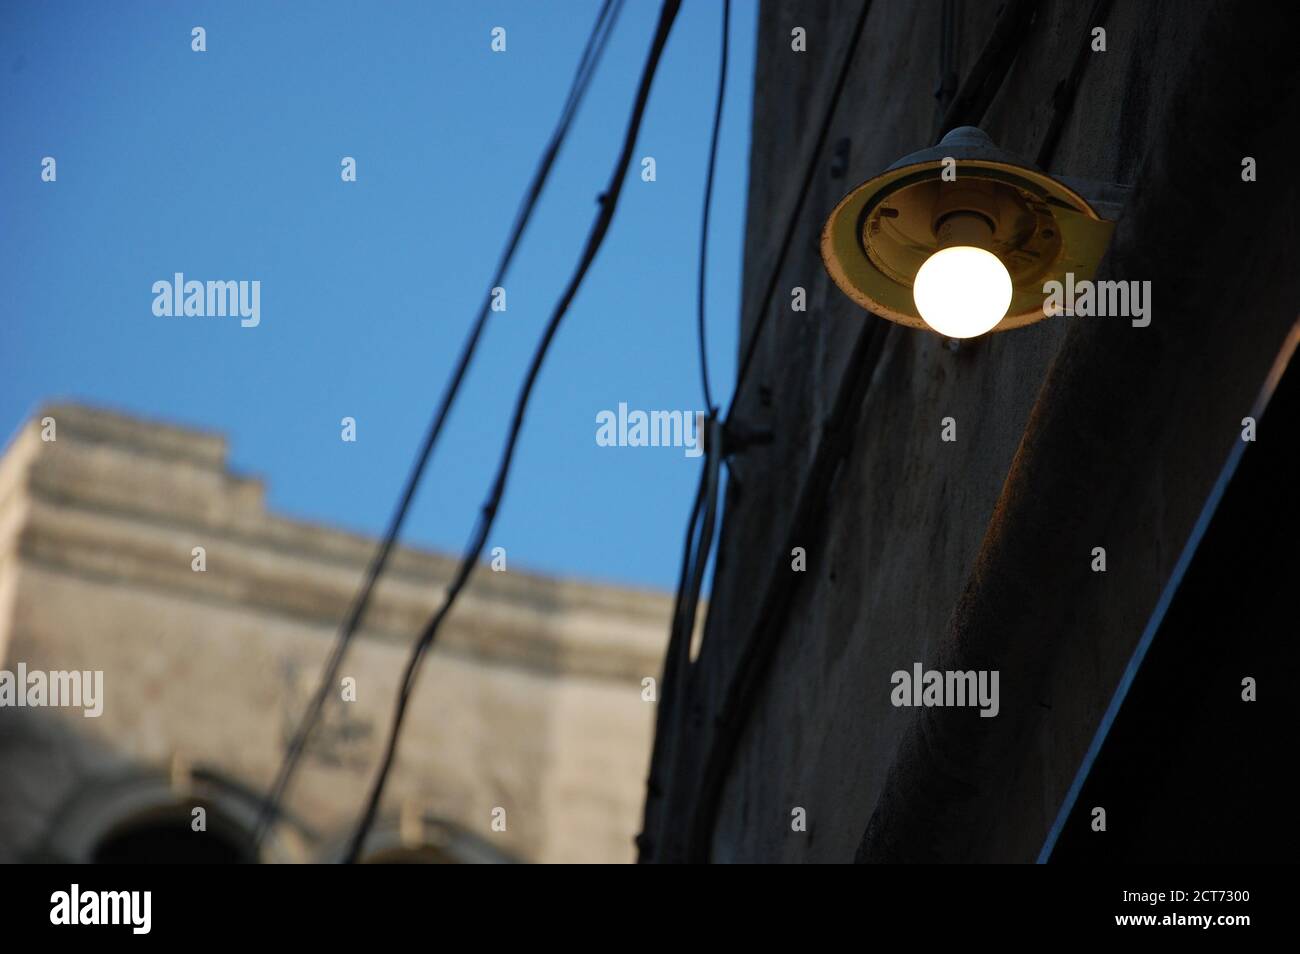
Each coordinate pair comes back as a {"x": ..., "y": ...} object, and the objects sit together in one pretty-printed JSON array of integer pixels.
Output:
[
  {"x": 95, "y": 471},
  {"x": 92, "y": 505},
  {"x": 142, "y": 436}
]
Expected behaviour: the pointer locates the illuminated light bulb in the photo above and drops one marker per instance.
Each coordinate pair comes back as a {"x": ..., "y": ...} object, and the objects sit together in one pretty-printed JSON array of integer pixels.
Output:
[{"x": 962, "y": 291}]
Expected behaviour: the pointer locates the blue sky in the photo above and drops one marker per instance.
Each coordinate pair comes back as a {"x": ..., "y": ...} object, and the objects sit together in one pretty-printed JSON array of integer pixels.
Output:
[{"x": 225, "y": 165}]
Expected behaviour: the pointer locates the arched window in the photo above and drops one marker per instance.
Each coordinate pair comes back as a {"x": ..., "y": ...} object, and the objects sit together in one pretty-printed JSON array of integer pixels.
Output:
[
  {"x": 142, "y": 818},
  {"x": 165, "y": 835}
]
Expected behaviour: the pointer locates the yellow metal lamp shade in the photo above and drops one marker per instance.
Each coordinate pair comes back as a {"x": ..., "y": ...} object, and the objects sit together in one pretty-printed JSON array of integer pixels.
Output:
[{"x": 964, "y": 234}]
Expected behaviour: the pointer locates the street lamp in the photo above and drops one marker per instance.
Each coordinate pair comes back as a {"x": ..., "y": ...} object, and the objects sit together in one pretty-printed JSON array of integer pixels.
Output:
[{"x": 961, "y": 237}]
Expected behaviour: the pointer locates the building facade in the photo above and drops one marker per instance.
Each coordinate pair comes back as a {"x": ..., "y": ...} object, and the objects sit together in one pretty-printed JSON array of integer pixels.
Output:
[
  {"x": 128, "y": 548},
  {"x": 941, "y": 504}
]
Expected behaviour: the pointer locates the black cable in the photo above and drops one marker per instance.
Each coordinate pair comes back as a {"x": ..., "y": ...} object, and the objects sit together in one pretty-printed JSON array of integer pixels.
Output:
[
  {"x": 686, "y": 601},
  {"x": 947, "y": 86},
  {"x": 699, "y": 544},
  {"x": 469, "y": 561},
  {"x": 708, "y": 523},
  {"x": 795, "y": 214},
  {"x": 981, "y": 85},
  {"x": 708, "y": 196},
  {"x": 1063, "y": 96},
  {"x": 671, "y": 676},
  {"x": 591, "y": 54},
  {"x": 703, "y": 515},
  {"x": 704, "y": 512},
  {"x": 677, "y": 669}
]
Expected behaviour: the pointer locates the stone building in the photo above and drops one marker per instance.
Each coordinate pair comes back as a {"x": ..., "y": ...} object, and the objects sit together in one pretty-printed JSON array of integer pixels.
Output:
[
  {"x": 531, "y": 703},
  {"x": 979, "y": 552}
]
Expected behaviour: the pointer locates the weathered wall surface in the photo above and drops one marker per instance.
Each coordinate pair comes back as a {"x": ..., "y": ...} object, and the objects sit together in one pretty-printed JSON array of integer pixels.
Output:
[
  {"x": 532, "y": 701},
  {"x": 910, "y": 512}
]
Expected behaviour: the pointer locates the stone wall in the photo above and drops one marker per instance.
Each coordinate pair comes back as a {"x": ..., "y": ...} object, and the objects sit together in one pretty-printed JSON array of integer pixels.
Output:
[
  {"x": 531, "y": 701},
  {"x": 909, "y": 513}
]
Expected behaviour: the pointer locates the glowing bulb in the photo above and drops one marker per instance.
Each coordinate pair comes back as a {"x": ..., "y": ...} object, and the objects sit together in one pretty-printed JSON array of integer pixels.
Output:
[{"x": 962, "y": 291}]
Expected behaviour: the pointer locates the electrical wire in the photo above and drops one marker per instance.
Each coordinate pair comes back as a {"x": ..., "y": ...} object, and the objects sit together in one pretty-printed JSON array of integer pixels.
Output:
[
  {"x": 1063, "y": 97},
  {"x": 470, "y": 558},
  {"x": 948, "y": 78},
  {"x": 796, "y": 213},
  {"x": 677, "y": 657},
  {"x": 601, "y": 30},
  {"x": 703, "y": 512},
  {"x": 670, "y": 679},
  {"x": 985, "y": 78},
  {"x": 700, "y": 530},
  {"x": 708, "y": 196}
]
